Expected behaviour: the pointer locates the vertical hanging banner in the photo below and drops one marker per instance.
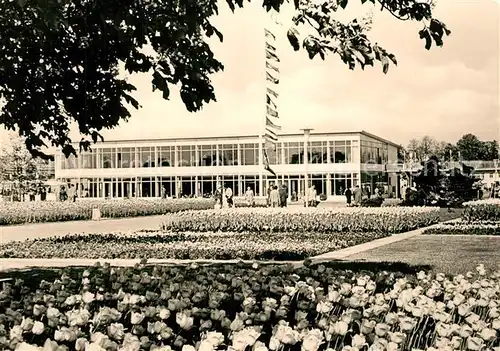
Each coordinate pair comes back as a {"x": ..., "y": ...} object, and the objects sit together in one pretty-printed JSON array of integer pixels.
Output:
[{"x": 272, "y": 125}]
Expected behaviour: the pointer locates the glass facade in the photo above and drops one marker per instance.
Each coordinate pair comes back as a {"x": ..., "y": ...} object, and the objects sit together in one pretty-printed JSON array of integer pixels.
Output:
[
  {"x": 207, "y": 164},
  {"x": 228, "y": 155},
  {"x": 208, "y": 155},
  {"x": 165, "y": 156},
  {"x": 249, "y": 154},
  {"x": 244, "y": 154},
  {"x": 341, "y": 152},
  {"x": 374, "y": 152}
]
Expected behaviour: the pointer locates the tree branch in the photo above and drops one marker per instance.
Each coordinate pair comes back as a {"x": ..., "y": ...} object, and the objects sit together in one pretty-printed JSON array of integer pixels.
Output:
[{"x": 384, "y": 6}]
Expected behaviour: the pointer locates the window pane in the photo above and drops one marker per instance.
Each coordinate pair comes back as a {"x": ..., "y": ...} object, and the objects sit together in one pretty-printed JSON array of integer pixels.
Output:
[
  {"x": 166, "y": 156},
  {"x": 339, "y": 152},
  {"x": 228, "y": 154},
  {"x": 187, "y": 157},
  {"x": 207, "y": 155},
  {"x": 294, "y": 154},
  {"x": 249, "y": 154}
]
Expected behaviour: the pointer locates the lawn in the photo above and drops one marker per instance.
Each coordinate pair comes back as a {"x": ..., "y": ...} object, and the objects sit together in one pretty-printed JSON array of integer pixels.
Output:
[
  {"x": 446, "y": 214},
  {"x": 445, "y": 254}
]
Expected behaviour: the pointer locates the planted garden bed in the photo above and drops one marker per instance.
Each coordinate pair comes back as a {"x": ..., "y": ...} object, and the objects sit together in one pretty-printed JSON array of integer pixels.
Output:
[
  {"x": 161, "y": 245},
  {"x": 340, "y": 220},
  {"x": 478, "y": 218},
  {"x": 250, "y": 307},
  {"x": 54, "y": 211},
  {"x": 460, "y": 228}
]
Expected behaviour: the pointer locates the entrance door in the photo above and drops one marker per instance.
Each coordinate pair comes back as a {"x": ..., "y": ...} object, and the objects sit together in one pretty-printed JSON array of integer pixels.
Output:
[
  {"x": 126, "y": 189},
  {"x": 107, "y": 190},
  {"x": 294, "y": 189}
]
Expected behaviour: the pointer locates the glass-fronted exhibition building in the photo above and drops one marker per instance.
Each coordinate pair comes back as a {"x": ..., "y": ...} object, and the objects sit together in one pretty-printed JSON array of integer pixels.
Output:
[{"x": 194, "y": 167}]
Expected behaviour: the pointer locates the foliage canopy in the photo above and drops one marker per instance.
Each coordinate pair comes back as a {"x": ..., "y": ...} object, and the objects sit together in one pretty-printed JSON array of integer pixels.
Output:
[{"x": 59, "y": 58}]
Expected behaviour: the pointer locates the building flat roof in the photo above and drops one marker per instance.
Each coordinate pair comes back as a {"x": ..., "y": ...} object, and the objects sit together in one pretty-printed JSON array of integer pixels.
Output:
[{"x": 247, "y": 136}]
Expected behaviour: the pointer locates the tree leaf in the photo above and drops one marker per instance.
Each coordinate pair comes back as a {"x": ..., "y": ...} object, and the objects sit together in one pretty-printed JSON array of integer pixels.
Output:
[
  {"x": 393, "y": 59},
  {"x": 219, "y": 34},
  {"x": 322, "y": 54},
  {"x": 342, "y": 3},
  {"x": 231, "y": 5},
  {"x": 130, "y": 100},
  {"x": 385, "y": 67},
  {"x": 160, "y": 83},
  {"x": 292, "y": 35},
  {"x": 424, "y": 34},
  {"x": 22, "y": 3}
]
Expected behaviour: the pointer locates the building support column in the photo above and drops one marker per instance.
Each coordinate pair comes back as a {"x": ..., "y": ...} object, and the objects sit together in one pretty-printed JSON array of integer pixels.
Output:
[
  {"x": 261, "y": 167},
  {"x": 196, "y": 186},
  {"x": 157, "y": 186},
  {"x": 328, "y": 185}
]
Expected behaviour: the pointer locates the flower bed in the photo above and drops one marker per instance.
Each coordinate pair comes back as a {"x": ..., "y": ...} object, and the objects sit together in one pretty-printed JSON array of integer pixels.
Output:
[
  {"x": 241, "y": 202},
  {"x": 357, "y": 220},
  {"x": 242, "y": 307},
  {"x": 54, "y": 211},
  {"x": 482, "y": 210},
  {"x": 275, "y": 246},
  {"x": 459, "y": 228}
]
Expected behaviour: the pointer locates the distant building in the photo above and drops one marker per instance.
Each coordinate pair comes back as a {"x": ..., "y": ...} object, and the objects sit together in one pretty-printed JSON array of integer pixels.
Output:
[{"x": 195, "y": 166}]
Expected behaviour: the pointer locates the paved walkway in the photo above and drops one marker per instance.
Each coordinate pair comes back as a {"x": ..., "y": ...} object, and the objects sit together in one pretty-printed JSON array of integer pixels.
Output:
[{"x": 44, "y": 230}]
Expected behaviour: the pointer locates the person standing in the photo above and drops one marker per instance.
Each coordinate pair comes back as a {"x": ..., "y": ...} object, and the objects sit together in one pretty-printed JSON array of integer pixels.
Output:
[
  {"x": 348, "y": 195},
  {"x": 269, "y": 190},
  {"x": 312, "y": 196},
  {"x": 368, "y": 192},
  {"x": 71, "y": 193},
  {"x": 229, "y": 197},
  {"x": 218, "y": 197},
  {"x": 283, "y": 192},
  {"x": 249, "y": 195},
  {"x": 163, "y": 192},
  {"x": 357, "y": 195},
  {"x": 32, "y": 194},
  {"x": 274, "y": 197},
  {"x": 63, "y": 196}
]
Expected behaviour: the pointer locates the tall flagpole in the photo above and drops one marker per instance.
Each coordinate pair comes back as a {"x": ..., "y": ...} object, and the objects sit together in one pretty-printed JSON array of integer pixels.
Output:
[{"x": 262, "y": 126}]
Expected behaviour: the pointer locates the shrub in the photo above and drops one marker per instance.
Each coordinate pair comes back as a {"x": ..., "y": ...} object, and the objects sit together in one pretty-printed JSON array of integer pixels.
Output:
[{"x": 372, "y": 202}]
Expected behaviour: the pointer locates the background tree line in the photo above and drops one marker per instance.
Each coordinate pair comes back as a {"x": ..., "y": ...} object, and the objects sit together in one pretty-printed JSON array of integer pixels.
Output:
[{"x": 467, "y": 148}]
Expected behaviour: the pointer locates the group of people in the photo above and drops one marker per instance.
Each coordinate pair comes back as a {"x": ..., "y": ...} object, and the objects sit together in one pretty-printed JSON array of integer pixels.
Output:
[
  {"x": 277, "y": 196},
  {"x": 356, "y": 195},
  {"x": 223, "y": 196},
  {"x": 68, "y": 195}
]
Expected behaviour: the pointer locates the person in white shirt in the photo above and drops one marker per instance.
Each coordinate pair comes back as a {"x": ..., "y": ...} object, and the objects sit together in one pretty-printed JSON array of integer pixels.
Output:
[
  {"x": 249, "y": 195},
  {"x": 229, "y": 197}
]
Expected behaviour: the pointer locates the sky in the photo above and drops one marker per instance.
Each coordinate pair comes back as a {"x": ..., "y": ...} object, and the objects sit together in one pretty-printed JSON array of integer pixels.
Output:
[{"x": 444, "y": 93}]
